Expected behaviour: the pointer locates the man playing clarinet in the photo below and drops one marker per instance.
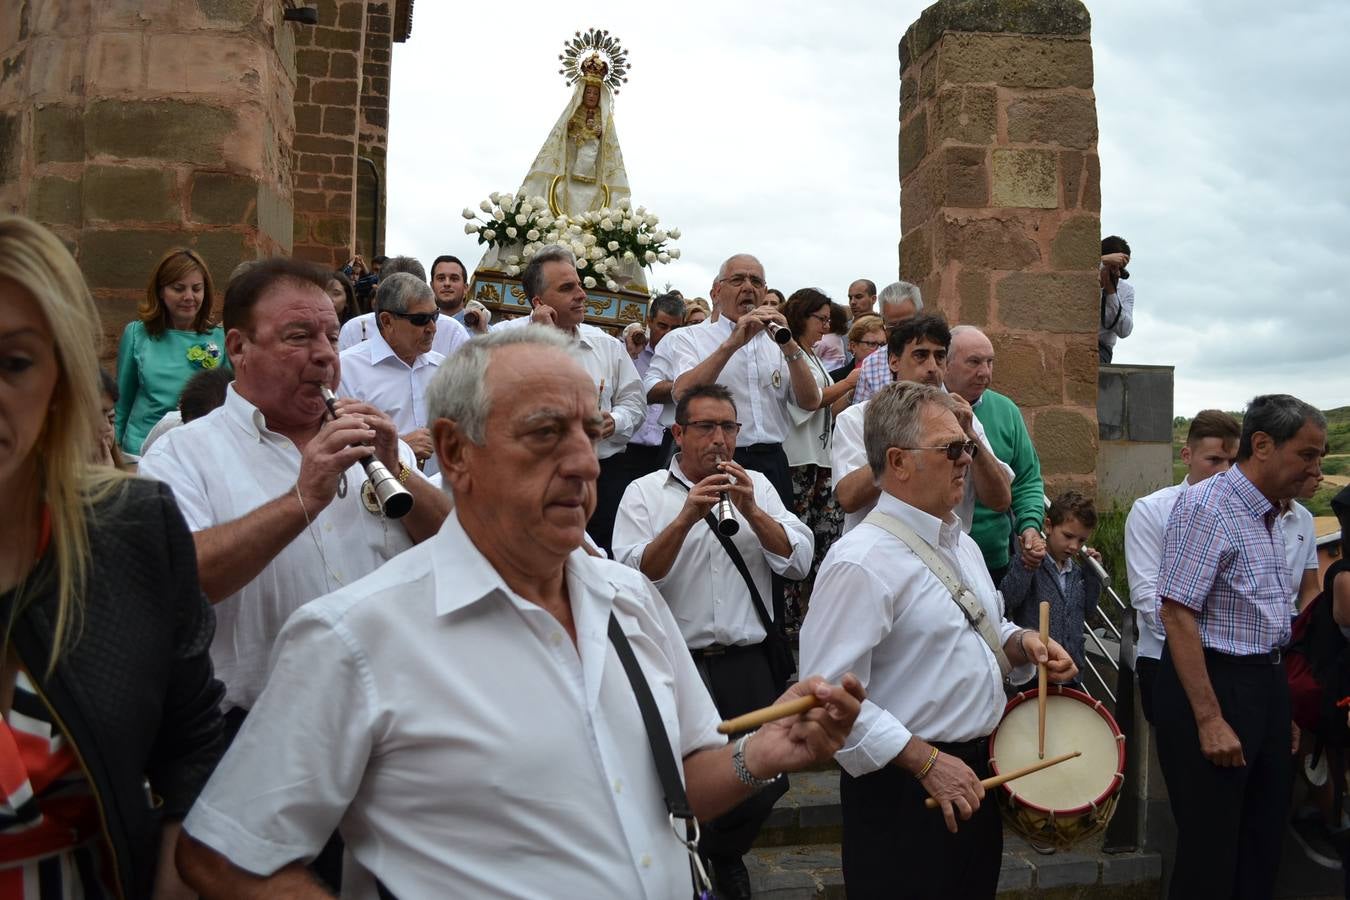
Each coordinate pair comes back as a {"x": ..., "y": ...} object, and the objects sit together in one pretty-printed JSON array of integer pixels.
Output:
[
  {"x": 717, "y": 585},
  {"x": 934, "y": 679}
]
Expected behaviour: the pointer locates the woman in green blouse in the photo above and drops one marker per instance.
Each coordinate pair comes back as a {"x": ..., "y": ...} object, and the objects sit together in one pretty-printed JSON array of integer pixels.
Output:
[{"x": 170, "y": 341}]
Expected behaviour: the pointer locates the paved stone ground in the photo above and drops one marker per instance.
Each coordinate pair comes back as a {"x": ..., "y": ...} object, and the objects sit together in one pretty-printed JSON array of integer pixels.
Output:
[{"x": 798, "y": 856}]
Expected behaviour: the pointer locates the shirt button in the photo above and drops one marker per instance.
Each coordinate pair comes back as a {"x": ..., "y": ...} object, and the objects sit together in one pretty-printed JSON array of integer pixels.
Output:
[
  {"x": 618, "y": 785},
  {"x": 556, "y": 637},
  {"x": 328, "y": 527},
  {"x": 646, "y": 860}
]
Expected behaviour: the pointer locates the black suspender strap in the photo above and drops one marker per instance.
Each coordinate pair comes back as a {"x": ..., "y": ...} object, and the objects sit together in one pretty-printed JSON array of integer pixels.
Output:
[{"x": 667, "y": 770}]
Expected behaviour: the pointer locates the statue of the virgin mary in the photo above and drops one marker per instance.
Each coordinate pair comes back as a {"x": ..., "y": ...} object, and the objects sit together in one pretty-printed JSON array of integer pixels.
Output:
[{"x": 580, "y": 167}]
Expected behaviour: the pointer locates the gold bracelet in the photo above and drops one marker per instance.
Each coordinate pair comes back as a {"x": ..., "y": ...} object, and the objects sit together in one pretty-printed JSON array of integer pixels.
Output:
[
  {"x": 403, "y": 472},
  {"x": 928, "y": 766}
]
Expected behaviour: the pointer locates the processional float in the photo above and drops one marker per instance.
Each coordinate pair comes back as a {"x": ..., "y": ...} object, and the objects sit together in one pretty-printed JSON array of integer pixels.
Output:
[{"x": 575, "y": 194}]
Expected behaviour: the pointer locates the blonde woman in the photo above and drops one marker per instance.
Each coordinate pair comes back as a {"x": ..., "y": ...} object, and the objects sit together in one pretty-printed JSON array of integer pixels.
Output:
[
  {"x": 171, "y": 339},
  {"x": 110, "y": 719},
  {"x": 696, "y": 310}
]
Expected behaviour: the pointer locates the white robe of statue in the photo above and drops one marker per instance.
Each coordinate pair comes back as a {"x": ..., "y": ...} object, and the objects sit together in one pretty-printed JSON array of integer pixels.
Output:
[{"x": 579, "y": 169}]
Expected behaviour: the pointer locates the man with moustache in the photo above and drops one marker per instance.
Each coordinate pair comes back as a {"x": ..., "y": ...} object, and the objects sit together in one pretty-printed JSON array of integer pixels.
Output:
[
  {"x": 664, "y": 531},
  {"x": 917, "y": 352}
]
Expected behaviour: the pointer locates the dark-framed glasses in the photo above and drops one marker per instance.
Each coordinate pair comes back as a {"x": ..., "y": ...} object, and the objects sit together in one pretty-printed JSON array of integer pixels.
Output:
[
  {"x": 953, "y": 450},
  {"x": 705, "y": 429},
  {"x": 421, "y": 320}
]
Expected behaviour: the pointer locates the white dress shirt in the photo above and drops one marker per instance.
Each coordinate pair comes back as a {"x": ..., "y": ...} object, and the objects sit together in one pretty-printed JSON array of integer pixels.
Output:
[
  {"x": 227, "y": 464},
  {"x": 757, "y": 376},
  {"x": 463, "y": 743},
  {"x": 374, "y": 373},
  {"x": 877, "y": 611},
  {"x": 651, "y": 432},
  {"x": 449, "y": 333},
  {"x": 606, "y": 360},
  {"x": 707, "y": 595},
  {"x": 1144, "y": 528},
  {"x": 847, "y": 454},
  {"x": 1300, "y": 546},
  {"x": 1119, "y": 313}
]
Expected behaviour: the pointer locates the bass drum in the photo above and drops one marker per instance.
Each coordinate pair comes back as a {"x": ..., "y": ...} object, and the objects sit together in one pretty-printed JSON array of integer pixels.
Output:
[{"x": 1068, "y": 802}]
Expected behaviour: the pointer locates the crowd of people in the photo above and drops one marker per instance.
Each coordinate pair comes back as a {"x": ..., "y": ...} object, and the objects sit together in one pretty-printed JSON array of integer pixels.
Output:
[{"x": 239, "y": 675}]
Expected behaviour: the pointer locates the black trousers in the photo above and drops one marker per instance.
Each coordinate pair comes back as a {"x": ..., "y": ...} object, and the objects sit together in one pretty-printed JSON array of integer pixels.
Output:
[
  {"x": 896, "y": 847},
  {"x": 739, "y": 682},
  {"x": 1147, "y": 667},
  {"x": 616, "y": 473},
  {"x": 1230, "y": 821},
  {"x": 770, "y": 460}
]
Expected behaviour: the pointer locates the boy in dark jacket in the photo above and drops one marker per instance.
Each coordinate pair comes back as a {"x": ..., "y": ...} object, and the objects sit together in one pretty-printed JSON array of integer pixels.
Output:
[{"x": 1060, "y": 578}]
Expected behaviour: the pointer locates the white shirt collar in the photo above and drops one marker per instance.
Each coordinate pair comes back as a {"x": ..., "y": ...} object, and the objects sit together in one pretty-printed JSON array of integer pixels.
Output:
[
  {"x": 938, "y": 532},
  {"x": 244, "y": 414},
  {"x": 380, "y": 351}
]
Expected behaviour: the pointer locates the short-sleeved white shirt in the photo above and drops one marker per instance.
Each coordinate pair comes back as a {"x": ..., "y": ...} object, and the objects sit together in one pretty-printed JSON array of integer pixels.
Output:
[
  {"x": 1300, "y": 545},
  {"x": 225, "y": 465},
  {"x": 461, "y": 740}
]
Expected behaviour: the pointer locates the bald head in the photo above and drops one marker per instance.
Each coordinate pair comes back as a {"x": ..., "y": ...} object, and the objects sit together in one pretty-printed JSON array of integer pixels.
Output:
[
  {"x": 862, "y": 297},
  {"x": 970, "y": 363}
]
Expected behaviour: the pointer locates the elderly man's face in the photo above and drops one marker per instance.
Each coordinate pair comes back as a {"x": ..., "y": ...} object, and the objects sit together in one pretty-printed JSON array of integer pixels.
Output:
[
  {"x": 861, "y": 302},
  {"x": 922, "y": 360},
  {"x": 532, "y": 483},
  {"x": 892, "y": 314},
  {"x": 1295, "y": 462},
  {"x": 970, "y": 365},
  {"x": 564, "y": 293},
  {"x": 406, "y": 337},
  {"x": 740, "y": 288},
  {"x": 290, "y": 353}
]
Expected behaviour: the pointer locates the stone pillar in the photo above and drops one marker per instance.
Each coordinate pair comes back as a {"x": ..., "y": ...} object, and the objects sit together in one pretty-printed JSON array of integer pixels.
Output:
[
  {"x": 372, "y": 137},
  {"x": 328, "y": 62},
  {"x": 1000, "y": 201},
  {"x": 132, "y": 126}
]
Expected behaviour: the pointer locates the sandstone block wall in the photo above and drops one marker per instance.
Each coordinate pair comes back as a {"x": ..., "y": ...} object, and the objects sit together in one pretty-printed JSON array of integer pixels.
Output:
[
  {"x": 1000, "y": 201},
  {"x": 132, "y": 126}
]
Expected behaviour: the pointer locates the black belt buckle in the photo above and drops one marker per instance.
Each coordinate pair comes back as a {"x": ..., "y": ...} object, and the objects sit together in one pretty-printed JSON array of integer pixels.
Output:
[{"x": 1276, "y": 656}]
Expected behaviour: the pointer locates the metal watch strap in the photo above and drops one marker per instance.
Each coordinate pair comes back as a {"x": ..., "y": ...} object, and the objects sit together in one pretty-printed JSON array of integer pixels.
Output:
[{"x": 743, "y": 773}]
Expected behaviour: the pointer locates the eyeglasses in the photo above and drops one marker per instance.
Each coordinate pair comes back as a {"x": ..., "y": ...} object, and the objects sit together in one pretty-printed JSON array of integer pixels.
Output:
[
  {"x": 875, "y": 345},
  {"x": 824, "y": 320},
  {"x": 421, "y": 320},
  {"x": 705, "y": 429},
  {"x": 741, "y": 278},
  {"x": 954, "y": 449}
]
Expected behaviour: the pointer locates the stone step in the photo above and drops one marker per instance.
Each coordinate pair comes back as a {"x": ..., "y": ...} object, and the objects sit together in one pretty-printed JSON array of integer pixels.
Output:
[{"x": 813, "y": 872}]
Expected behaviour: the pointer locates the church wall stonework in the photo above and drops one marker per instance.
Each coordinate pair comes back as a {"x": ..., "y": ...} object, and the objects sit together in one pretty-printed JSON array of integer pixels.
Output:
[
  {"x": 1000, "y": 204},
  {"x": 132, "y": 126}
]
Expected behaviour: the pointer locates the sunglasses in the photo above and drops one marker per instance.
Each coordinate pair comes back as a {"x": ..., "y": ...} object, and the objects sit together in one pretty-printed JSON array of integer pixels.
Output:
[
  {"x": 953, "y": 450},
  {"x": 421, "y": 320}
]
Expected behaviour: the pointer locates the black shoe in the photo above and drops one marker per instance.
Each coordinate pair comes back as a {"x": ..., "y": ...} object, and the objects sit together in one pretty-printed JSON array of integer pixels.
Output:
[{"x": 730, "y": 879}]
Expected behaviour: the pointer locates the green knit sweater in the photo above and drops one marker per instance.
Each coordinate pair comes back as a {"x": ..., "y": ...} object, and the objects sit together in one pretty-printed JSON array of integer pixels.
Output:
[{"x": 1008, "y": 437}]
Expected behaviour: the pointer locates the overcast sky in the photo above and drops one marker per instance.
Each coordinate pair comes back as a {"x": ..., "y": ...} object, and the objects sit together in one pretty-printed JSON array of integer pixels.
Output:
[{"x": 772, "y": 128}]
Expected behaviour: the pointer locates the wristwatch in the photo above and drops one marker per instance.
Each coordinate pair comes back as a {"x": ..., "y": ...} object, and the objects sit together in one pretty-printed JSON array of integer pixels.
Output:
[
  {"x": 794, "y": 356},
  {"x": 743, "y": 774}
]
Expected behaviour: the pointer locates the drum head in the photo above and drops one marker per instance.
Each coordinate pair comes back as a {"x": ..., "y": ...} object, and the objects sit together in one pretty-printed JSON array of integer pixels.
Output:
[{"x": 1073, "y": 721}]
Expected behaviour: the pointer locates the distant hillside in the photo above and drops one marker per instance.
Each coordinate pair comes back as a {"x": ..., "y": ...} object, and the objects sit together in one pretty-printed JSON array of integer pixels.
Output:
[{"x": 1336, "y": 466}]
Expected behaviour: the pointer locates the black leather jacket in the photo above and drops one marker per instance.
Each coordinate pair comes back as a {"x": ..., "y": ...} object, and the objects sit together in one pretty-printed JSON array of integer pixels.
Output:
[{"x": 135, "y": 692}]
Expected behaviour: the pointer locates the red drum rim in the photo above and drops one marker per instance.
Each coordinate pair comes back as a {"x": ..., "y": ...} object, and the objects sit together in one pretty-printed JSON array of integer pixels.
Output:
[{"x": 1058, "y": 690}]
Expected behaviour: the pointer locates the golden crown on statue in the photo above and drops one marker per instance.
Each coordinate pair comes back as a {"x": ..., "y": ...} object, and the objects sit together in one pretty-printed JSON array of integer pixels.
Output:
[{"x": 594, "y": 56}]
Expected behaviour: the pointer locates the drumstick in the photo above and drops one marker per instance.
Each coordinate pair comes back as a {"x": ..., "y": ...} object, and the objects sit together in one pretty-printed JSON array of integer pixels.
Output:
[
  {"x": 1013, "y": 776},
  {"x": 768, "y": 714},
  {"x": 1043, "y": 679}
]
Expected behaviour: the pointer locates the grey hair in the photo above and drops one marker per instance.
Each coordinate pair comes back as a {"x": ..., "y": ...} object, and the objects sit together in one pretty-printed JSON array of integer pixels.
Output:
[
  {"x": 1278, "y": 415},
  {"x": 532, "y": 278},
  {"x": 722, "y": 269},
  {"x": 671, "y": 304},
  {"x": 898, "y": 292},
  {"x": 894, "y": 418},
  {"x": 399, "y": 290},
  {"x": 395, "y": 264},
  {"x": 965, "y": 329},
  {"x": 459, "y": 390}
]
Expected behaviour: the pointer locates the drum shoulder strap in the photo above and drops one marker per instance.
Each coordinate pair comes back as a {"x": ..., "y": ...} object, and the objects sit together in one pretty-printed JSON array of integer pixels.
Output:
[{"x": 969, "y": 604}]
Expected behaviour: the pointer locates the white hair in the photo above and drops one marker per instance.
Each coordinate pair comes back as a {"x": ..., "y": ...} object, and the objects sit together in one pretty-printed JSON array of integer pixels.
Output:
[
  {"x": 894, "y": 418},
  {"x": 459, "y": 390},
  {"x": 898, "y": 292}
]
